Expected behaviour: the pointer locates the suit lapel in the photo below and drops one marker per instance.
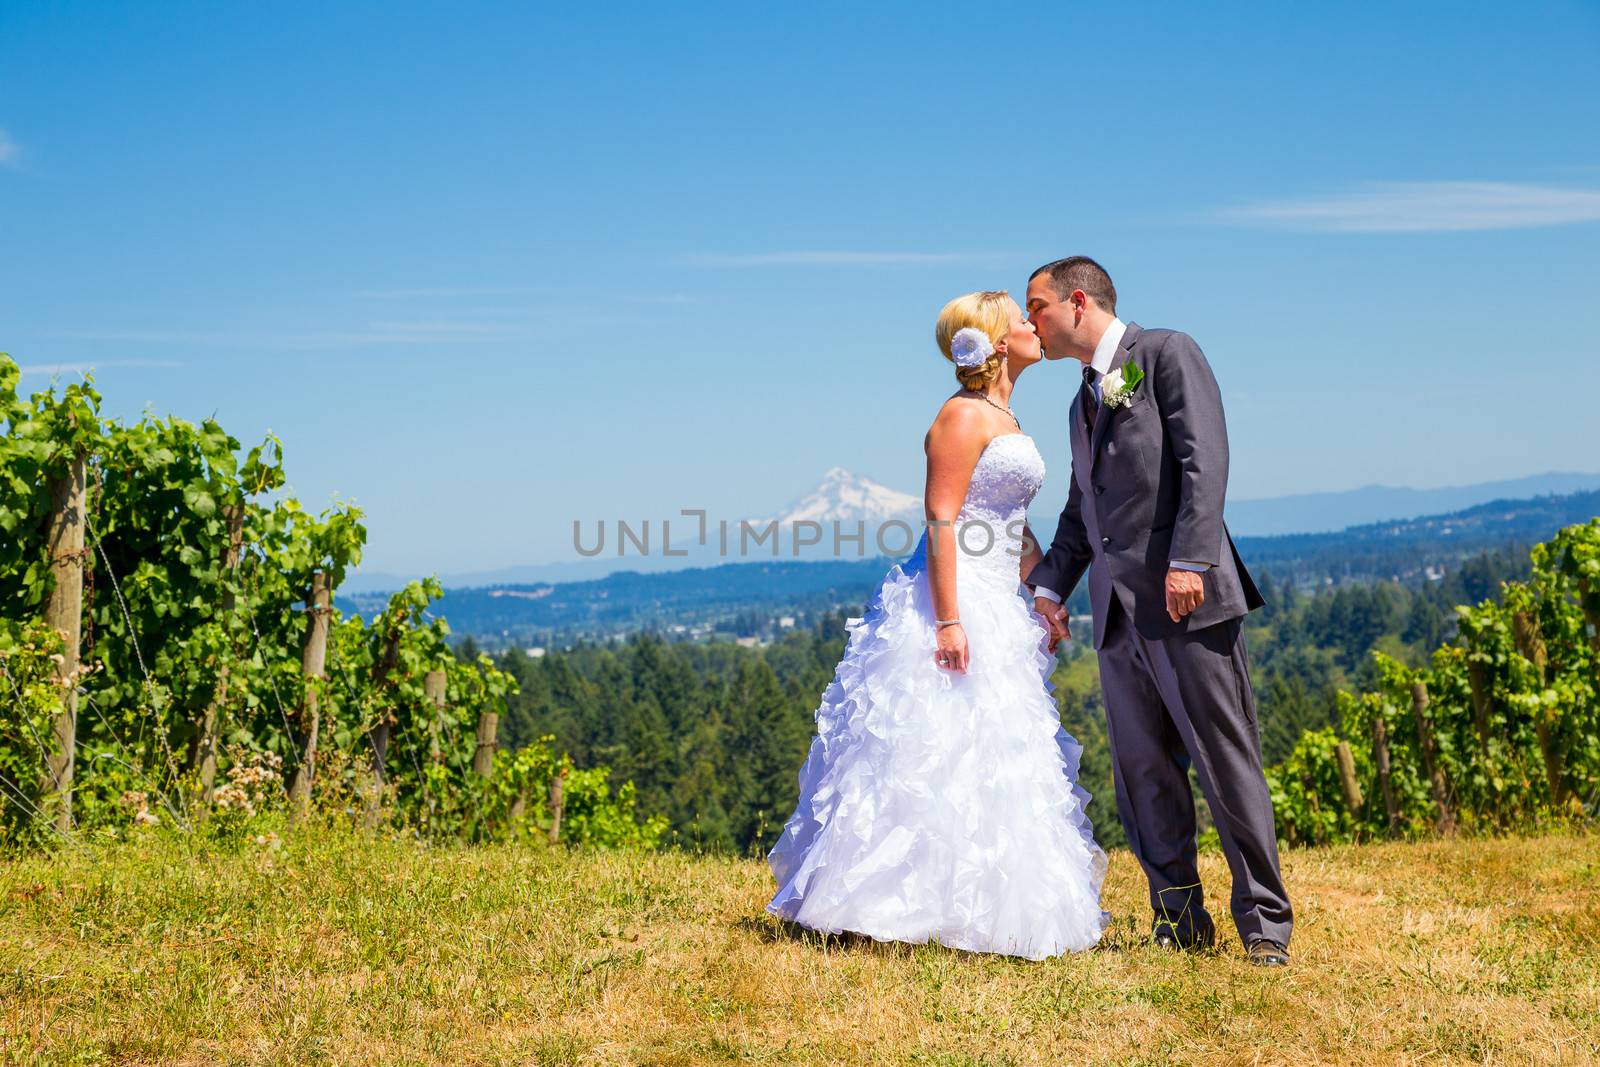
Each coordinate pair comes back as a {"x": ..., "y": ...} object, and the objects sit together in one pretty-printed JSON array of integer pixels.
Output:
[{"x": 1102, "y": 420}]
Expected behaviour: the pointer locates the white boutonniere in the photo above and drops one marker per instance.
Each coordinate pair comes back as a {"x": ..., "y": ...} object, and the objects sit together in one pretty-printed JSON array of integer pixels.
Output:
[{"x": 1116, "y": 388}]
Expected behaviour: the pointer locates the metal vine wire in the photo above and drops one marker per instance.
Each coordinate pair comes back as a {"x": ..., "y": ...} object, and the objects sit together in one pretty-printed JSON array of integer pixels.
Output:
[
  {"x": 33, "y": 809},
  {"x": 78, "y": 742},
  {"x": 377, "y": 765},
  {"x": 143, "y": 774},
  {"x": 183, "y": 818},
  {"x": 133, "y": 638},
  {"x": 272, "y": 683},
  {"x": 29, "y": 808},
  {"x": 422, "y": 779},
  {"x": 128, "y": 757},
  {"x": 83, "y": 747},
  {"x": 44, "y": 750}
]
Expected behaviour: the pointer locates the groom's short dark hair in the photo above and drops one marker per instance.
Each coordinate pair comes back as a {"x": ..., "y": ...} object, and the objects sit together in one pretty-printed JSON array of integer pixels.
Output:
[{"x": 1080, "y": 272}]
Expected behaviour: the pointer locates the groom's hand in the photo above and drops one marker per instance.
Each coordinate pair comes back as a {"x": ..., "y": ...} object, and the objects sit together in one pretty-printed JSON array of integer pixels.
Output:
[
  {"x": 1185, "y": 592},
  {"x": 1055, "y": 618}
]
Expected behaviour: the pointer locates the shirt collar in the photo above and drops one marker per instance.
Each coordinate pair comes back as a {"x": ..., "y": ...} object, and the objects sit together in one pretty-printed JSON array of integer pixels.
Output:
[{"x": 1106, "y": 350}]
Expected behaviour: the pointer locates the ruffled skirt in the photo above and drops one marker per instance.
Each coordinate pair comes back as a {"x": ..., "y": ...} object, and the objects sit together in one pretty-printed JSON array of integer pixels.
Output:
[{"x": 940, "y": 806}]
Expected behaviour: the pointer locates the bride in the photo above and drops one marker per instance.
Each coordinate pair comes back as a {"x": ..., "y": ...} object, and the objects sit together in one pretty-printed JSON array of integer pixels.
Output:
[{"x": 939, "y": 799}]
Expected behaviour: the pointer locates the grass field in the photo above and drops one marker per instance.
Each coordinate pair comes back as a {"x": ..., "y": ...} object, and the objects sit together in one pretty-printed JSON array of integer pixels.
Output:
[{"x": 338, "y": 948}]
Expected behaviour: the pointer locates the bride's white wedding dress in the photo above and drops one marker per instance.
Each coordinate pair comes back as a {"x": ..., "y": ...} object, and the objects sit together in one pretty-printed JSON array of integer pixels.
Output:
[{"x": 936, "y": 805}]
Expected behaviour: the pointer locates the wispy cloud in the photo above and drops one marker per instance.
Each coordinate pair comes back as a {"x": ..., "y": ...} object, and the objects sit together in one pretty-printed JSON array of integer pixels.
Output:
[
  {"x": 10, "y": 151},
  {"x": 662, "y": 299},
  {"x": 84, "y": 368},
  {"x": 1426, "y": 207},
  {"x": 833, "y": 259},
  {"x": 434, "y": 329},
  {"x": 377, "y": 333},
  {"x": 433, "y": 294}
]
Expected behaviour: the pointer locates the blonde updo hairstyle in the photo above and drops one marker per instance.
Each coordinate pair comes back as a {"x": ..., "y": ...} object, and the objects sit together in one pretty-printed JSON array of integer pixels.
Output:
[{"x": 986, "y": 311}]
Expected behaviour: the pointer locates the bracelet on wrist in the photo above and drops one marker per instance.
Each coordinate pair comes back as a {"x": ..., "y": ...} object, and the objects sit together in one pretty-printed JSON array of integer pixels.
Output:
[{"x": 947, "y": 622}]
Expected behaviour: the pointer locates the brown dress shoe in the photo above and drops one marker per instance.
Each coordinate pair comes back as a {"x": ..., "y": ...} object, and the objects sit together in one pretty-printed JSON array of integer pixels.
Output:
[{"x": 1265, "y": 952}]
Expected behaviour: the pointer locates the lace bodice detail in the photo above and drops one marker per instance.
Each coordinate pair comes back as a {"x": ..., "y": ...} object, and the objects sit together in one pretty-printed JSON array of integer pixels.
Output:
[
  {"x": 989, "y": 525},
  {"x": 1008, "y": 475}
]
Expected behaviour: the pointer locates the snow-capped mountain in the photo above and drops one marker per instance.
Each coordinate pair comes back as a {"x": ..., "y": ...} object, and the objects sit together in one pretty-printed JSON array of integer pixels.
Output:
[{"x": 849, "y": 498}]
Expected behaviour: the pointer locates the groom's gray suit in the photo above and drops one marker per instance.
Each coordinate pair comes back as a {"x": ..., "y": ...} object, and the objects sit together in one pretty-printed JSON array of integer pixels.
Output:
[{"x": 1148, "y": 487}]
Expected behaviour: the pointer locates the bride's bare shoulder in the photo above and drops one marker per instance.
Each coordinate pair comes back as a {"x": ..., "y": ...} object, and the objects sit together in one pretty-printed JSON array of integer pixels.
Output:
[{"x": 961, "y": 422}]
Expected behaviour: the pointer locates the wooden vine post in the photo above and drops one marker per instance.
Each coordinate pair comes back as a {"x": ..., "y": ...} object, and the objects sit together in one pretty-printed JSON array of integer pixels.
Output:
[
  {"x": 203, "y": 756},
  {"x": 433, "y": 689},
  {"x": 313, "y": 664},
  {"x": 558, "y": 783},
  {"x": 1347, "y": 777},
  {"x": 1430, "y": 757},
  {"x": 63, "y": 612},
  {"x": 1478, "y": 684},
  {"x": 488, "y": 733}
]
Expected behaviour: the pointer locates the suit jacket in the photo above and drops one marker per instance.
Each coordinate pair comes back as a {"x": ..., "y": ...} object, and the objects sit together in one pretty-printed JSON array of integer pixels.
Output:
[{"x": 1147, "y": 488}]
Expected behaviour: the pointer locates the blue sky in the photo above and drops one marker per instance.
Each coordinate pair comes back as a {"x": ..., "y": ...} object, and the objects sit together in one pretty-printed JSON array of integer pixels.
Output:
[{"x": 489, "y": 268}]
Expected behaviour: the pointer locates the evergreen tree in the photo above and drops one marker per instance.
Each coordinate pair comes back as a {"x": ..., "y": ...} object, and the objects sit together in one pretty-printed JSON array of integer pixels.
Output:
[
  {"x": 767, "y": 738},
  {"x": 641, "y": 751},
  {"x": 699, "y": 816}
]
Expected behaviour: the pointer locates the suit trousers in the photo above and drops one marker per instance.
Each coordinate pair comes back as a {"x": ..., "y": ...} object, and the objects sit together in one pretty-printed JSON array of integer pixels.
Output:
[{"x": 1176, "y": 701}]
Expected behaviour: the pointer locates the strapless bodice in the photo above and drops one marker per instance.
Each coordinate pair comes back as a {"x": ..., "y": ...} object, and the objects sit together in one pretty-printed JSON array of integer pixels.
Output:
[
  {"x": 989, "y": 526},
  {"x": 1005, "y": 480}
]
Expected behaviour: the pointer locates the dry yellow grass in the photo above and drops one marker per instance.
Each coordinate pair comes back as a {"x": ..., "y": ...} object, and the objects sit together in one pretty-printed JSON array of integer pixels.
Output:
[{"x": 342, "y": 949}]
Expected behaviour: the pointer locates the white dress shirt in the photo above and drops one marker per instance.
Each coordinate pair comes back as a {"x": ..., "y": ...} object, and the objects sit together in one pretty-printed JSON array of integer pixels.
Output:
[{"x": 1104, "y": 352}]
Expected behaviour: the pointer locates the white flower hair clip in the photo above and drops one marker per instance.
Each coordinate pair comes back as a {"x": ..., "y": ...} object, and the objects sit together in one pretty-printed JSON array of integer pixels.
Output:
[{"x": 970, "y": 347}]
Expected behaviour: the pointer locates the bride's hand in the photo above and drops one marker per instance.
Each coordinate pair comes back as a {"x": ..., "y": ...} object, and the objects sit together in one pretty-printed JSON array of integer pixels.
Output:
[
  {"x": 952, "y": 652},
  {"x": 1053, "y": 616}
]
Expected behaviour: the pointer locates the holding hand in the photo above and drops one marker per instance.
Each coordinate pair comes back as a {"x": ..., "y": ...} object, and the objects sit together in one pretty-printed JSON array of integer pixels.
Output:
[
  {"x": 1185, "y": 592},
  {"x": 1054, "y": 617}
]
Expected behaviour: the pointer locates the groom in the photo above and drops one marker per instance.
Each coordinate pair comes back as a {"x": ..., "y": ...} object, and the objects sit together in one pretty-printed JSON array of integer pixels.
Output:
[{"x": 1169, "y": 594}]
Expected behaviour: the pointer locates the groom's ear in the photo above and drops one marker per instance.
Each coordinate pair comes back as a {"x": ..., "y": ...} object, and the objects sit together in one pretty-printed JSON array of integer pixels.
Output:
[{"x": 1080, "y": 305}]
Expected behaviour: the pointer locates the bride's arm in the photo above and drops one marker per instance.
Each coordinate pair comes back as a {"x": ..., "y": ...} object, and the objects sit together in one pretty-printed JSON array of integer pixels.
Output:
[
  {"x": 1031, "y": 556},
  {"x": 954, "y": 444}
]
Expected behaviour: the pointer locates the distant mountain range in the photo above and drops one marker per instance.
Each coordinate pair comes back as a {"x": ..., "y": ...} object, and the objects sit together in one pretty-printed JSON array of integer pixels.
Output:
[
  {"x": 729, "y": 598},
  {"x": 1324, "y": 512},
  {"x": 1406, "y": 549},
  {"x": 850, "y": 498}
]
